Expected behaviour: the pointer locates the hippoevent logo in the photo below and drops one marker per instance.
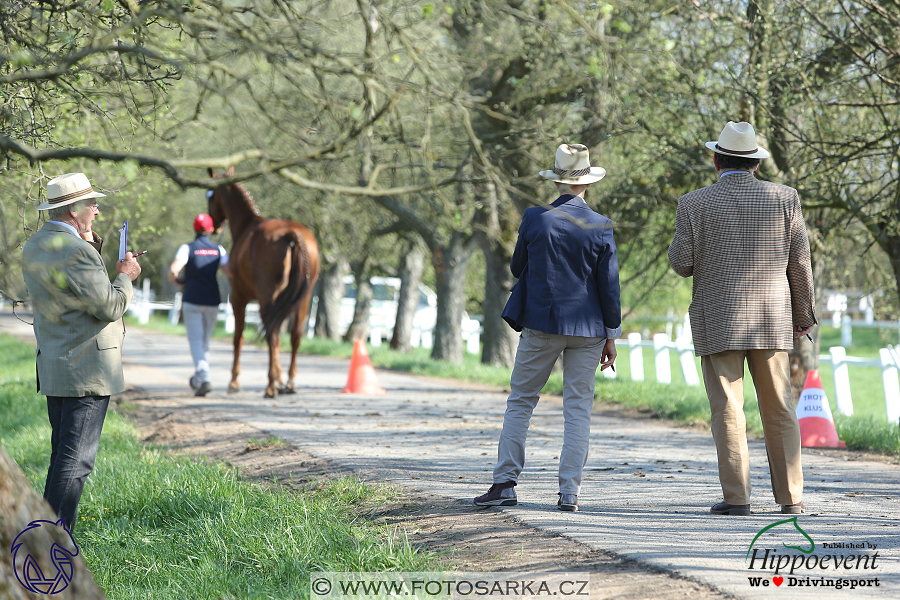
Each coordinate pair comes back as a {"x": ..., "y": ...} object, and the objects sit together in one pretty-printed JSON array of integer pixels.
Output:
[
  {"x": 29, "y": 572},
  {"x": 836, "y": 565}
]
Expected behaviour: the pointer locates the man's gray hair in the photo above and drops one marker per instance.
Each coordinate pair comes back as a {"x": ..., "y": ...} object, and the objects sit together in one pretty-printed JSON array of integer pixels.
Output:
[{"x": 62, "y": 212}]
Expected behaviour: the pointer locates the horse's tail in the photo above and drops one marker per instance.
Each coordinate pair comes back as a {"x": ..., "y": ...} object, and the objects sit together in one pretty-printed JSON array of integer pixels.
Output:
[{"x": 287, "y": 301}]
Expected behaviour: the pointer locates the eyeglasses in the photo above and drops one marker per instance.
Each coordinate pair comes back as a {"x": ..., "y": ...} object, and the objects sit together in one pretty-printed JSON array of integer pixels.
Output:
[{"x": 94, "y": 205}]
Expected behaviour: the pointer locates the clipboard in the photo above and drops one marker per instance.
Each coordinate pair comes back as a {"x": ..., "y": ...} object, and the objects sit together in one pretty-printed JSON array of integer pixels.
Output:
[{"x": 123, "y": 241}]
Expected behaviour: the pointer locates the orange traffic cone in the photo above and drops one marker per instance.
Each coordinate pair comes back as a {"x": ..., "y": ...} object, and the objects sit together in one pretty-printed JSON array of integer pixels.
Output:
[
  {"x": 362, "y": 378},
  {"x": 816, "y": 422}
]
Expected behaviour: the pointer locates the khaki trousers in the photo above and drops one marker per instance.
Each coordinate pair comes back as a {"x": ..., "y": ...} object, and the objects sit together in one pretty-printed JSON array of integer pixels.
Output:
[{"x": 723, "y": 374}]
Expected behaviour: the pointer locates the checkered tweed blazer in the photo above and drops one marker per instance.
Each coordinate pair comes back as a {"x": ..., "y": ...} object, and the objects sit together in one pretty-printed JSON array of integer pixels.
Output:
[{"x": 745, "y": 243}]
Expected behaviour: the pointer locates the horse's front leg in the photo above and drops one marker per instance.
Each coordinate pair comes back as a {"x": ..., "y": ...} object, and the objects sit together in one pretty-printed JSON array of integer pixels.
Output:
[{"x": 240, "y": 311}]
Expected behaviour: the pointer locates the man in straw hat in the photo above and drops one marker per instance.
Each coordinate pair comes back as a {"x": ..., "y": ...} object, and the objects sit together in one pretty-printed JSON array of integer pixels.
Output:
[
  {"x": 565, "y": 302},
  {"x": 77, "y": 323},
  {"x": 744, "y": 241}
]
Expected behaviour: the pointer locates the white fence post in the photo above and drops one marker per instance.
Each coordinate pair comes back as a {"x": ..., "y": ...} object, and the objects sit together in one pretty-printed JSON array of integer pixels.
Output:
[
  {"x": 175, "y": 311},
  {"x": 229, "y": 317},
  {"x": 415, "y": 337},
  {"x": 144, "y": 312},
  {"x": 846, "y": 332},
  {"x": 842, "y": 396},
  {"x": 688, "y": 364},
  {"x": 661, "y": 351},
  {"x": 889, "y": 377},
  {"x": 473, "y": 344},
  {"x": 636, "y": 356},
  {"x": 375, "y": 336}
]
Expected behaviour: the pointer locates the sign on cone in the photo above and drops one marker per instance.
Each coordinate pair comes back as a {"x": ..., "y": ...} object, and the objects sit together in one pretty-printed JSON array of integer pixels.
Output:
[
  {"x": 816, "y": 422},
  {"x": 362, "y": 378}
]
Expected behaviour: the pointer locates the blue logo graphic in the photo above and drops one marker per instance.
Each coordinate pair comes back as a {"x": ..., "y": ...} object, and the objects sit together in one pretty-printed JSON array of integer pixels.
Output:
[{"x": 29, "y": 572}]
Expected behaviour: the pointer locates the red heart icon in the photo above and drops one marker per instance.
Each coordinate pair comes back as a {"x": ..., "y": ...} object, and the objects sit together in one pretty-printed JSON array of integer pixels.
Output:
[{"x": 778, "y": 580}]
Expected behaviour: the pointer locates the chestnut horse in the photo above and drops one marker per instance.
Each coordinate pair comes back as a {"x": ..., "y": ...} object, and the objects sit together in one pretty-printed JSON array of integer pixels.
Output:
[{"x": 274, "y": 262}]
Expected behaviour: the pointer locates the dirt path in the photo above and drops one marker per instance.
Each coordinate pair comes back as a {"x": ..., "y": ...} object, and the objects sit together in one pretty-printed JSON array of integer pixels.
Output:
[{"x": 467, "y": 539}]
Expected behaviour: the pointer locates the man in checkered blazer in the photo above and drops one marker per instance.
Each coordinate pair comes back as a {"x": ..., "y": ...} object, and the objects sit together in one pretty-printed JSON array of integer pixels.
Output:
[{"x": 744, "y": 241}]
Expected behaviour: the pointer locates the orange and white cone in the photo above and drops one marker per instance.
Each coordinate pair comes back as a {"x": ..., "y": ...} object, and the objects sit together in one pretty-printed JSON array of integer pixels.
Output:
[
  {"x": 362, "y": 378},
  {"x": 814, "y": 414}
]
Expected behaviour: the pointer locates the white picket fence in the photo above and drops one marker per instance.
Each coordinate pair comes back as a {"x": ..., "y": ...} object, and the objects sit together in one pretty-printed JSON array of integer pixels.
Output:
[
  {"x": 888, "y": 361},
  {"x": 143, "y": 305}
]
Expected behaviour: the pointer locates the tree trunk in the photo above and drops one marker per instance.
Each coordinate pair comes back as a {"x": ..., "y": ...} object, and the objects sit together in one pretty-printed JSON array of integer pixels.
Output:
[
  {"x": 359, "y": 327},
  {"x": 328, "y": 311},
  {"x": 450, "y": 263},
  {"x": 19, "y": 506},
  {"x": 499, "y": 339},
  {"x": 411, "y": 266}
]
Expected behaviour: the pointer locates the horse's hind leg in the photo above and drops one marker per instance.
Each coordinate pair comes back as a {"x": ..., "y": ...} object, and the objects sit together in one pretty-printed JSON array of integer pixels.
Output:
[
  {"x": 297, "y": 323},
  {"x": 274, "y": 341},
  {"x": 240, "y": 311}
]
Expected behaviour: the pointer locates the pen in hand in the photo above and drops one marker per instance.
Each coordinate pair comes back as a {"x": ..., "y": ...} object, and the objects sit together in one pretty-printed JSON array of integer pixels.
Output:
[
  {"x": 809, "y": 337},
  {"x": 140, "y": 253}
]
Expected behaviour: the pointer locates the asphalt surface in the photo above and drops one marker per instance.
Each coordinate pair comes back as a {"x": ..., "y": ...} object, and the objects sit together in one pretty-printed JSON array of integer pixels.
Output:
[{"x": 647, "y": 487}]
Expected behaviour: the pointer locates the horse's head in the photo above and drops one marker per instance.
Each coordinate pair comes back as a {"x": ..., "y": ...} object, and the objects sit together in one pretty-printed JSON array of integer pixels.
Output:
[{"x": 216, "y": 199}]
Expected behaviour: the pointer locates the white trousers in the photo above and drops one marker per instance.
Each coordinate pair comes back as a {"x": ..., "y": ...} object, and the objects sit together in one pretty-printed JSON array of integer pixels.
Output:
[
  {"x": 535, "y": 357},
  {"x": 199, "y": 320}
]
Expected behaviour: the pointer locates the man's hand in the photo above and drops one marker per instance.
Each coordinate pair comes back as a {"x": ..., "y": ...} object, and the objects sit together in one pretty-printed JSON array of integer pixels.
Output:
[
  {"x": 609, "y": 354},
  {"x": 130, "y": 266},
  {"x": 800, "y": 332}
]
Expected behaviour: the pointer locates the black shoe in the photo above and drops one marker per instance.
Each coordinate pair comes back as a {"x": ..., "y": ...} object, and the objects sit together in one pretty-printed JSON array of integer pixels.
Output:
[
  {"x": 204, "y": 389},
  {"x": 723, "y": 508},
  {"x": 193, "y": 382},
  {"x": 567, "y": 502},
  {"x": 500, "y": 494}
]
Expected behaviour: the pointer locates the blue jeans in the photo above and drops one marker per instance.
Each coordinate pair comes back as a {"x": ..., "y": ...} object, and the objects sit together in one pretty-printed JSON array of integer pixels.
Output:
[{"x": 76, "y": 425}]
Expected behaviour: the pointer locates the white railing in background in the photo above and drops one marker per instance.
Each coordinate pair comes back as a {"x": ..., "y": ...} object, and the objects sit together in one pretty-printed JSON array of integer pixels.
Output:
[
  {"x": 888, "y": 361},
  {"x": 143, "y": 305}
]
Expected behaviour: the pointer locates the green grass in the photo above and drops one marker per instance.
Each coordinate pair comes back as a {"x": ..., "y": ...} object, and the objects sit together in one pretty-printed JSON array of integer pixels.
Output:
[
  {"x": 155, "y": 525},
  {"x": 868, "y": 429}
]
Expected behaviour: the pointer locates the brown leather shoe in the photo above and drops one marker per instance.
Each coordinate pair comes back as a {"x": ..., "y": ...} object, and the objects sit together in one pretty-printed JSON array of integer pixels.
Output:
[
  {"x": 793, "y": 509},
  {"x": 723, "y": 508}
]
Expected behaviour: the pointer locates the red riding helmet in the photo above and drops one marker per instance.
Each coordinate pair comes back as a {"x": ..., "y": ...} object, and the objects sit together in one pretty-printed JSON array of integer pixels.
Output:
[{"x": 203, "y": 223}]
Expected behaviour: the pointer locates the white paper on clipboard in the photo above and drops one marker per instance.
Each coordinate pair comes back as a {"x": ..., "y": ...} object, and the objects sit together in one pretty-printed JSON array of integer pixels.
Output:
[{"x": 123, "y": 241}]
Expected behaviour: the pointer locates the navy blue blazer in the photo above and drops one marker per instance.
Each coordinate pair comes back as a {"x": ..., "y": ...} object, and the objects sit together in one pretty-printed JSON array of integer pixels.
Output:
[{"x": 568, "y": 271}]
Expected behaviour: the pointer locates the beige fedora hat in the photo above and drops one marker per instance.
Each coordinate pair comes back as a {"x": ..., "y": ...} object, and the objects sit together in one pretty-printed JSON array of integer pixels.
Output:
[
  {"x": 738, "y": 139},
  {"x": 573, "y": 166},
  {"x": 67, "y": 189}
]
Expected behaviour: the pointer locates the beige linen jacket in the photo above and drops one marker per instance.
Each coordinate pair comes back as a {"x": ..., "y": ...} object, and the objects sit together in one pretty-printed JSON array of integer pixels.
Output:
[
  {"x": 745, "y": 243},
  {"x": 77, "y": 315}
]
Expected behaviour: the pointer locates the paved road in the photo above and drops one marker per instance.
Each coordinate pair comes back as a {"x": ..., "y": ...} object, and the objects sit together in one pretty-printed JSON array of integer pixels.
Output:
[{"x": 646, "y": 493}]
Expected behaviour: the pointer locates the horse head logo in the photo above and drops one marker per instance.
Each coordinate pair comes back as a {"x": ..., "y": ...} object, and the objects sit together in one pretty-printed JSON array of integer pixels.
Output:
[
  {"x": 62, "y": 554},
  {"x": 793, "y": 520}
]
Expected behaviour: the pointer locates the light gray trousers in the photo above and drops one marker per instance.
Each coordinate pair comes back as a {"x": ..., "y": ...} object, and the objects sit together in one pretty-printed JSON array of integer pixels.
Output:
[
  {"x": 199, "y": 320},
  {"x": 535, "y": 357}
]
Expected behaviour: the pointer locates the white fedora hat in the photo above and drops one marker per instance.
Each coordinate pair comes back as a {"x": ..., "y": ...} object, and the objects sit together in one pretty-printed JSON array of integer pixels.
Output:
[
  {"x": 738, "y": 139},
  {"x": 67, "y": 189},
  {"x": 573, "y": 166}
]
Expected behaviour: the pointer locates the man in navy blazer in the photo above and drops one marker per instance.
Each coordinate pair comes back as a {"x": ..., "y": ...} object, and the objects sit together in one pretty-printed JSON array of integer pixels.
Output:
[{"x": 565, "y": 302}]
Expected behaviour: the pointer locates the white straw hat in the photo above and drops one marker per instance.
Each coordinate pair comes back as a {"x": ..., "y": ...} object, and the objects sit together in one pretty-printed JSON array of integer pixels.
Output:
[
  {"x": 738, "y": 139},
  {"x": 573, "y": 166},
  {"x": 67, "y": 189}
]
